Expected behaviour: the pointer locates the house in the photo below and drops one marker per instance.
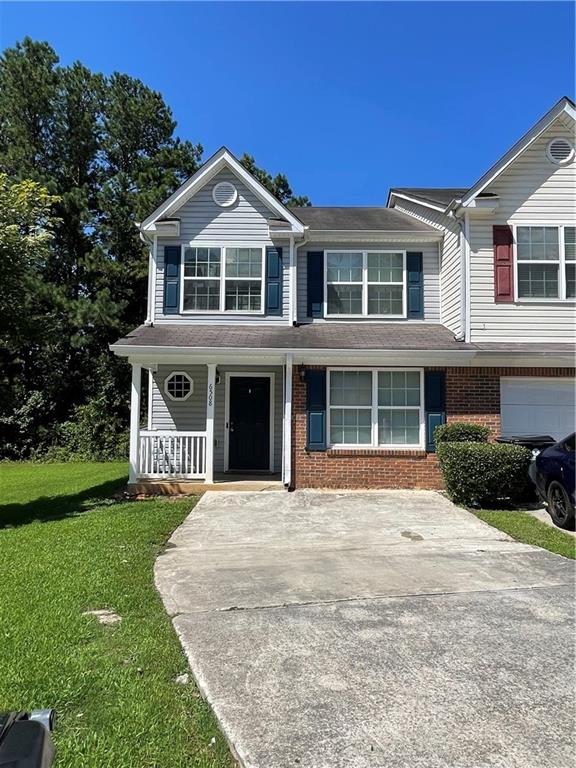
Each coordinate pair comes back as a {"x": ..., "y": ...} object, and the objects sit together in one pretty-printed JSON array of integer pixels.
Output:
[{"x": 323, "y": 345}]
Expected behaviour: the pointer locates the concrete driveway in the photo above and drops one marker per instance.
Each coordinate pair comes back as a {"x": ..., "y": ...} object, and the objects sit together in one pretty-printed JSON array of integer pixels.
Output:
[{"x": 355, "y": 630}]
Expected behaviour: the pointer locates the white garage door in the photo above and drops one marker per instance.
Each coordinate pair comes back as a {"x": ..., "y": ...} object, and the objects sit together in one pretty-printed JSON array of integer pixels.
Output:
[{"x": 538, "y": 406}]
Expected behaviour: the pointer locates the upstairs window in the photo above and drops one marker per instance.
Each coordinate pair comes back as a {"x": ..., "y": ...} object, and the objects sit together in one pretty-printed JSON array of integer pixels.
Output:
[
  {"x": 545, "y": 262},
  {"x": 219, "y": 279},
  {"x": 365, "y": 284}
]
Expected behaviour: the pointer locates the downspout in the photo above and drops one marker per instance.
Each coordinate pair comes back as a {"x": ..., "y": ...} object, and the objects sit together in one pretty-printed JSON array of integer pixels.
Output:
[
  {"x": 467, "y": 297},
  {"x": 151, "y": 299},
  {"x": 293, "y": 278},
  {"x": 464, "y": 237}
]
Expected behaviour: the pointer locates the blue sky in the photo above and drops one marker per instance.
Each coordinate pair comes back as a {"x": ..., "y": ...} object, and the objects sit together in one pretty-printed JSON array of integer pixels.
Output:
[{"x": 347, "y": 99}]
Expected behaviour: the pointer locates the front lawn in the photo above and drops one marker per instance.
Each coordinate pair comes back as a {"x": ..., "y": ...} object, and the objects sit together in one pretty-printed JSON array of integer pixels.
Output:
[
  {"x": 67, "y": 548},
  {"x": 529, "y": 530}
]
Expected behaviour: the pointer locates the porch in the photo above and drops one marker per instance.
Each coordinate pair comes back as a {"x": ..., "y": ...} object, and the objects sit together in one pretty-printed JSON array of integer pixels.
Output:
[{"x": 217, "y": 426}]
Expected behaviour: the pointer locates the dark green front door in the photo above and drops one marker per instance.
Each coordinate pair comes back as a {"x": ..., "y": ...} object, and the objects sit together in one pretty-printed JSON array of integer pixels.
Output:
[{"x": 249, "y": 424}]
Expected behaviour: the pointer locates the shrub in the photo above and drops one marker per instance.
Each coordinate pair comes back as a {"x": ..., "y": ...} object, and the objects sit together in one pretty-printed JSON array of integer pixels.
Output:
[
  {"x": 461, "y": 432},
  {"x": 92, "y": 434},
  {"x": 483, "y": 474}
]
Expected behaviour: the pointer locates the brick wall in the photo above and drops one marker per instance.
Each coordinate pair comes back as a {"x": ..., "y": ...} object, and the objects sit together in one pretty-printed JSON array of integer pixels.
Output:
[{"x": 472, "y": 394}]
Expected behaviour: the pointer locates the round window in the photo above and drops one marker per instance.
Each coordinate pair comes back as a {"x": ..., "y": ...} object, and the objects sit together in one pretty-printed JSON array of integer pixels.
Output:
[
  {"x": 560, "y": 151},
  {"x": 178, "y": 386},
  {"x": 224, "y": 194}
]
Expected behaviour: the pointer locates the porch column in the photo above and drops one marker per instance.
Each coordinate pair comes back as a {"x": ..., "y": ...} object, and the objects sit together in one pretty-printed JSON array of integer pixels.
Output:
[
  {"x": 135, "y": 421},
  {"x": 287, "y": 433},
  {"x": 210, "y": 397}
]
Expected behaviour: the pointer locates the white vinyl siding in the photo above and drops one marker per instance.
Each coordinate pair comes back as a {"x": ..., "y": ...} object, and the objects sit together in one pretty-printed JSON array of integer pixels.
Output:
[
  {"x": 430, "y": 268},
  {"x": 203, "y": 221},
  {"x": 532, "y": 191},
  {"x": 450, "y": 264}
]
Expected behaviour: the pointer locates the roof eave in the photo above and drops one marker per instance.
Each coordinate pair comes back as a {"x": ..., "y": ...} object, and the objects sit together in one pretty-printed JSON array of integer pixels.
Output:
[
  {"x": 219, "y": 160},
  {"x": 564, "y": 105}
]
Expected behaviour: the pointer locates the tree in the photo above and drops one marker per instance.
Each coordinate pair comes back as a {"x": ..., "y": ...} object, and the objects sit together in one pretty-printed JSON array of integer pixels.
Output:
[
  {"x": 277, "y": 185},
  {"x": 105, "y": 154},
  {"x": 26, "y": 233}
]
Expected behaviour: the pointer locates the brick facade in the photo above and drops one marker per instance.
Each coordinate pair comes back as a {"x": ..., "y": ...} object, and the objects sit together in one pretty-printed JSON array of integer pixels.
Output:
[{"x": 472, "y": 394}]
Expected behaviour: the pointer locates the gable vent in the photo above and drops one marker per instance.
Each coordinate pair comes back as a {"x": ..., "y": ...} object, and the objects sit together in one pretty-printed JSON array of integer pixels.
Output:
[
  {"x": 560, "y": 151},
  {"x": 224, "y": 194}
]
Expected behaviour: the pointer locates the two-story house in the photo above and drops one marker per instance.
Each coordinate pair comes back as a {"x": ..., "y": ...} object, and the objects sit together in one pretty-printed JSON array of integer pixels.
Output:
[{"x": 323, "y": 345}]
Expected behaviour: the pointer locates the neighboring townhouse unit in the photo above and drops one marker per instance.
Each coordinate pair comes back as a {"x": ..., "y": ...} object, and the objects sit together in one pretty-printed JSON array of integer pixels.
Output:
[{"x": 323, "y": 345}]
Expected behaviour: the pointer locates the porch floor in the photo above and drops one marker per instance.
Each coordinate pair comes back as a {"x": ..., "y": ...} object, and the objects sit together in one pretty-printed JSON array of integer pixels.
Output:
[{"x": 222, "y": 482}]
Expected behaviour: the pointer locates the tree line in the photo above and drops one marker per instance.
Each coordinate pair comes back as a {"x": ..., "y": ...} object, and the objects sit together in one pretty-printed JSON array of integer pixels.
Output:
[{"x": 83, "y": 157}]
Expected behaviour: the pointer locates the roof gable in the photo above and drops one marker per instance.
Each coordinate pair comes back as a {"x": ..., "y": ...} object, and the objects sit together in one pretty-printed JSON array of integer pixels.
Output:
[
  {"x": 564, "y": 109},
  {"x": 219, "y": 161},
  {"x": 448, "y": 198}
]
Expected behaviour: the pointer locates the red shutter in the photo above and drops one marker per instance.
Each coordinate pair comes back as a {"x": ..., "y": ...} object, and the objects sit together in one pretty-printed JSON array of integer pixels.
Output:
[{"x": 503, "y": 263}]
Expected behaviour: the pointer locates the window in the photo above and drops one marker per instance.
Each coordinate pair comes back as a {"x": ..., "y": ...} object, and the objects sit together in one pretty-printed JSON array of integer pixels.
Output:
[
  {"x": 366, "y": 283},
  {"x": 200, "y": 292},
  {"x": 178, "y": 386},
  {"x": 375, "y": 408},
  {"x": 570, "y": 261},
  {"x": 244, "y": 292},
  {"x": 545, "y": 262},
  {"x": 216, "y": 279}
]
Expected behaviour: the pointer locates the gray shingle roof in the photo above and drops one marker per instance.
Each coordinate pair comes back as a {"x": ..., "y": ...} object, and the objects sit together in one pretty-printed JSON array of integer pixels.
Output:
[
  {"x": 321, "y": 336},
  {"x": 436, "y": 195},
  {"x": 350, "y": 219}
]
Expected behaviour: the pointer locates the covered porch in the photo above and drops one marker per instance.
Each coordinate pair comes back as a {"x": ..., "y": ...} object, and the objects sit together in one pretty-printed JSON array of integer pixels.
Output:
[{"x": 223, "y": 424}]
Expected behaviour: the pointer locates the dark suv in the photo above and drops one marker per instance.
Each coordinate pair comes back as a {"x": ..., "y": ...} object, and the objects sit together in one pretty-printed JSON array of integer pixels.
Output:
[{"x": 552, "y": 472}]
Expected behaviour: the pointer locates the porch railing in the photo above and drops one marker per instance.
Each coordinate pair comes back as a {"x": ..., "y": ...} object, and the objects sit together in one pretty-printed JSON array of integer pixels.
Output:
[{"x": 172, "y": 454}]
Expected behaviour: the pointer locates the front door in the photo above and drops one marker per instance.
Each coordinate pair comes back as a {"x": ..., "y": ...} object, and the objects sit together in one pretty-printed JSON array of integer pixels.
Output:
[{"x": 249, "y": 424}]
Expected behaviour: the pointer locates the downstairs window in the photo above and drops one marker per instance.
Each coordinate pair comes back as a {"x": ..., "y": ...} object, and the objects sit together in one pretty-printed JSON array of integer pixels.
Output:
[{"x": 377, "y": 408}]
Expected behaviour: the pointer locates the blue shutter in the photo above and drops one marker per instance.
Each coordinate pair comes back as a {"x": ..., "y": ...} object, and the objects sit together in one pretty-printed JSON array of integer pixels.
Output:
[
  {"x": 273, "y": 281},
  {"x": 315, "y": 283},
  {"x": 172, "y": 255},
  {"x": 316, "y": 409},
  {"x": 434, "y": 403},
  {"x": 415, "y": 286}
]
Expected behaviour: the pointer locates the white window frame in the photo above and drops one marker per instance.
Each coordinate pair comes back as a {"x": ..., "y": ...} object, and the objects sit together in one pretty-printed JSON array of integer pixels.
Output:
[
  {"x": 561, "y": 298},
  {"x": 171, "y": 376},
  {"x": 374, "y": 445},
  {"x": 365, "y": 283},
  {"x": 222, "y": 279}
]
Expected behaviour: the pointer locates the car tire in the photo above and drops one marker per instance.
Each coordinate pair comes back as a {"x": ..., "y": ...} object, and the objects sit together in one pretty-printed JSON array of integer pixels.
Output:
[{"x": 560, "y": 507}]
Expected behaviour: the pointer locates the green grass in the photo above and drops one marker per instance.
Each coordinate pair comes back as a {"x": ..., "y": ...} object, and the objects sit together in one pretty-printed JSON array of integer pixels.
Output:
[
  {"x": 523, "y": 527},
  {"x": 65, "y": 548}
]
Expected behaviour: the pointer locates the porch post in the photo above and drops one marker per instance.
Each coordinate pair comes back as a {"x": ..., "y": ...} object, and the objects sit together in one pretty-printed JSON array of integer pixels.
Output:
[
  {"x": 210, "y": 397},
  {"x": 287, "y": 435},
  {"x": 135, "y": 421}
]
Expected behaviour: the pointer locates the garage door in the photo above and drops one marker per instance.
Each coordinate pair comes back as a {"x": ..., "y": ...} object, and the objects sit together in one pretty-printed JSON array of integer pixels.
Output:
[{"x": 537, "y": 406}]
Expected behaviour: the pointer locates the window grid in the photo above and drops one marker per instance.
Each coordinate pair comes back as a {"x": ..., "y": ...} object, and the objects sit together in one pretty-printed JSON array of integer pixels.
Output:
[
  {"x": 391, "y": 298},
  {"x": 178, "y": 386},
  {"x": 218, "y": 291},
  {"x": 376, "y": 409},
  {"x": 555, "y": 274}
]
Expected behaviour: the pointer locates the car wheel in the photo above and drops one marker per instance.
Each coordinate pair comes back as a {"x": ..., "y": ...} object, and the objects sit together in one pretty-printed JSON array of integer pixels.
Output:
[{"x": 559, "y": 506}]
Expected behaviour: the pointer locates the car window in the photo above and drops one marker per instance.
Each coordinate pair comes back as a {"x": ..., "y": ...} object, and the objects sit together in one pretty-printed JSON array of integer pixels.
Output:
[{"x": 570, "y": 443}]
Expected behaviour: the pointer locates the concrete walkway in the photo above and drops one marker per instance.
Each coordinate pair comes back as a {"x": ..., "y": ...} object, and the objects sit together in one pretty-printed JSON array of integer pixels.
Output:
[{"x": 356, "y": 630}]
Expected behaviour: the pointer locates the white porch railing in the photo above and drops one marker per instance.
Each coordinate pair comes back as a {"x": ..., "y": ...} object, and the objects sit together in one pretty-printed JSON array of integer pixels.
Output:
[{"x": 172, "y": 454}]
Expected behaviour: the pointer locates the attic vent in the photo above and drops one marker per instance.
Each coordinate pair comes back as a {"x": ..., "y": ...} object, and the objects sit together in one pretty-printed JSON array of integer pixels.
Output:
[
  {"x": 560, "y": 151},
  {"x": 224, "y": 194}
]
